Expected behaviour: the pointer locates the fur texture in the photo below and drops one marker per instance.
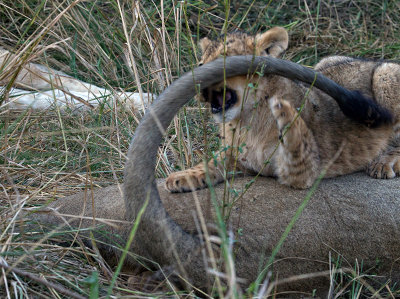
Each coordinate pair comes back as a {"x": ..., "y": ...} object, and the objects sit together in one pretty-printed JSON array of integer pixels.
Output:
[
  {"x": 41, "y": 87},
  {"x": 345, "y": 213},
  {"x": 359, "y": 127}
]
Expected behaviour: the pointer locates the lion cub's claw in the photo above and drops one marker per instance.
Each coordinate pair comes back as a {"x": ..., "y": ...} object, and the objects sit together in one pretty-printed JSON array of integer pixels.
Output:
[
  {"x": 283, "y": 112},
  {"x": 186, "y": 181},
  {"x": 386, "y": 167}
]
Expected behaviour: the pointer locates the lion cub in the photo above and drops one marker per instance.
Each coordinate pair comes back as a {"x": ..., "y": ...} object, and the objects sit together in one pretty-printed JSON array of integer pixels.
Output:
[{"x": 256, "y": 113}]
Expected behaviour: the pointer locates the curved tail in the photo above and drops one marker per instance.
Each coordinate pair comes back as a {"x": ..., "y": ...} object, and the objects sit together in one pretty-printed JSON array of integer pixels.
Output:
[
  {"x": 363, "y": 109},
  {"x": 160, "y": 236},
  {"x": 353, "y": 104}
]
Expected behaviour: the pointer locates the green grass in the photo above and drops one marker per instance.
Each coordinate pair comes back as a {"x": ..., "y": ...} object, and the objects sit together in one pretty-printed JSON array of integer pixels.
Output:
[{"x": 45, "y": 155}]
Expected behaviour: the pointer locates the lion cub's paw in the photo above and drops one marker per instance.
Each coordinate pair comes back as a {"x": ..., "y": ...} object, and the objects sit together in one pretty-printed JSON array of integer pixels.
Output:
[
  {"x": 384, "y": 167},
  {"x": 186, "y": 181},
  {"x": 283, "y": 112}
]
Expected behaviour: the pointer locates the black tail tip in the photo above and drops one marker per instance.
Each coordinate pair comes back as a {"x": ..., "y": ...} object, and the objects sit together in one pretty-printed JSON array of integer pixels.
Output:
[{"x": 365, "y": 110}]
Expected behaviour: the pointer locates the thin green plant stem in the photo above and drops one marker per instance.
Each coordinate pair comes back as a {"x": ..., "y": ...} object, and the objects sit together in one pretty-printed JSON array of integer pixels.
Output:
[
  {"x": 261, "y": 13},
  {"x": 225, "y": 30},
  {"x": 179, "y": 130},
  {"x": 20, "y": 41},
  {"x": 294, "y": 219},
  {"x": 289, "y": 227},
  {"x": 128, "y": 245},
  {"x": 267, "y": 161},
  {"x": 316, "y": 32},
  {"x": 66, "y": 151},
  {"x": 222, "y": 227},
  {"x": 246, "y": 13}
]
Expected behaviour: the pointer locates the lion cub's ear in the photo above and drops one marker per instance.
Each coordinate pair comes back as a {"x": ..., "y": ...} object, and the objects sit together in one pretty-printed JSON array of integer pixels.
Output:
[
  {"x": 204, "y": 43},
  {"x": 273, "y": 42}
]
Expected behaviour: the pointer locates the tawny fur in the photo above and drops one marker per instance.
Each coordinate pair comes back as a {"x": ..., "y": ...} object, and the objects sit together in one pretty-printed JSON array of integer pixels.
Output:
[
  {"x": 34, "y": 76},
  {"x": 344, "y": 213},
  {"x": 266, "y": 113}
]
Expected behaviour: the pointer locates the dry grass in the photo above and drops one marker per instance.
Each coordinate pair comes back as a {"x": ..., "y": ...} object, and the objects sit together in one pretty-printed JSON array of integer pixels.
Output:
[{"x": 137, "y": 47}]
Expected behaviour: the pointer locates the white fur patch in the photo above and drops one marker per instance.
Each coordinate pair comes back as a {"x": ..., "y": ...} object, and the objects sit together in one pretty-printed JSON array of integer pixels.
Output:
[
  {"x": 230, "y": 114},
  {"x": 44, "y": 87},
  {"x": 75, "y": 100}
]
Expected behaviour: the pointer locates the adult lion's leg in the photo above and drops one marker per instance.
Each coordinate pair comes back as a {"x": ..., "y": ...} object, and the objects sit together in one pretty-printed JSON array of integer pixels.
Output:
[
  {"x": 297, "y": 159},
  {"x": 386, "y": 87}
]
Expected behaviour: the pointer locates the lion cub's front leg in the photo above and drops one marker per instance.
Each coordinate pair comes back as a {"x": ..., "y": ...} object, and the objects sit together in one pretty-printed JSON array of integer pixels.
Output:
[
  {"x": 193, "y": 178},
  {"x": 297, "y": 159}
]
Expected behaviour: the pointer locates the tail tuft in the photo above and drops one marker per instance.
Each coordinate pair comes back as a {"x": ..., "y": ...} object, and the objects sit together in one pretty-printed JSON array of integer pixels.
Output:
[{"x": 364, "y": 109}]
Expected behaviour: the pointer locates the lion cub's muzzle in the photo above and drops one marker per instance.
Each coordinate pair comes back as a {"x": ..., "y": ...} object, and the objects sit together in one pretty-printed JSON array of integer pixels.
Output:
[{"x": 216, "y": 99}]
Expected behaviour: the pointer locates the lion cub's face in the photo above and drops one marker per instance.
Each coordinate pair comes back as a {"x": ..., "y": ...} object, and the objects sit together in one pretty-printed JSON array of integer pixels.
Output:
[{"x": 235, "y": 94}]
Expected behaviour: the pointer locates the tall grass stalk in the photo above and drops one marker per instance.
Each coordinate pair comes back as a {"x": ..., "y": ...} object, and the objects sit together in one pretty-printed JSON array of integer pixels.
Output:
[{"x": 142, "y": 46}]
